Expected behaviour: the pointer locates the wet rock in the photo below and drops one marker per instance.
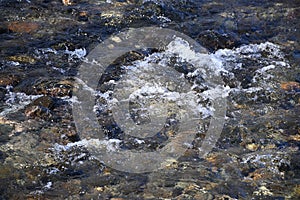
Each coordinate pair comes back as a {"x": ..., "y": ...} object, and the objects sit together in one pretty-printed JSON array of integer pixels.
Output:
[
  {"x": 22, "y": 59},
  {"x": 296, "y": 192},
  {"x": 218, "y": 159},
  {"x": 37, "y": 111},
  {"x": 5, "y": 130},
  {"x": 23, "y": 27},
  {"x": 296, "y": 55},
  {"x": 26, "y": 86},
  {"x": 258, "y": 175},
  {"x": 3, "y": 155},
  {"x": 56, "y": 88},
  {"x": 58, "y": 135},
  {"x": 252, "y": 146},
  {"x": 9, "y": 79},
  {"x": 5, "y": 172},
  {"x": 67, "y": 2},
  {"x": 290, "y": 86},
  {"x": 213, "y": 40},
  {"x": 44, "y": 101},
  {"x": 233, "y": 190},
  {"x": 2, "y": 93},
  {"x": 297, "y": 78},
  {"x": 83, "y": 16},
  {"x": 40, "y": 107}
]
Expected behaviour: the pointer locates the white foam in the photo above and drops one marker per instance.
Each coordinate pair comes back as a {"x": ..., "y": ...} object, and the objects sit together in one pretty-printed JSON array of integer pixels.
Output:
[
  {"x": 109, "y": 144},
  {"x": 16, "y": 101},
  {"x": 265, "y": 69},
  {"x": 138, "y": 141},
  {"x": 77, "y": 53},
  {"x": 267, "y": 54}
]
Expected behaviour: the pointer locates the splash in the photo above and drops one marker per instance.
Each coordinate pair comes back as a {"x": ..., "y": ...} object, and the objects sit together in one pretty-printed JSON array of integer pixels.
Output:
[{"x": 174, "y": 89}]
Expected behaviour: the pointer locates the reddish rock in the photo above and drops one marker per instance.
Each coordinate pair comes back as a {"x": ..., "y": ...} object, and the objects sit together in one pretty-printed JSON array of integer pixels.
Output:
[
  {"x": 23, "y": 27},
  {"x": 290, "y": 85}
]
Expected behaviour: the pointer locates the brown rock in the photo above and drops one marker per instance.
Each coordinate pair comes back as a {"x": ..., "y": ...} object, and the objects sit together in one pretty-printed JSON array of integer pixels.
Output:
[
  {"x": 37, "y": 111},
  {"x": 22, "y": 59},
  {"x": 23, "y": 27},
  {"x": 218, "y": 159},
  {"x": 67, "y": 2},
  {"x": 55, "y": 87},
  {"x": 44, "y": 101},
  {"x": 290, "y": 85},
  {"x": 40, "y": 107},
  {"x": 6, "y": 79}
]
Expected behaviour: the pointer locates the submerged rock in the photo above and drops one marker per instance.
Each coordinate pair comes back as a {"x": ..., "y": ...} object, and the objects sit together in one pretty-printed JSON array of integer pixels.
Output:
[
  {"x": 40, "y": 107},
  {"x": 9, "y": 79},
  {"x": 23, "y": 27}
]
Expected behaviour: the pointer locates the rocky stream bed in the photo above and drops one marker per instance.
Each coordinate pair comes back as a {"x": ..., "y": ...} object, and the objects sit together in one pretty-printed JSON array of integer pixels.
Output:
[{"x": 44, "y": 42}]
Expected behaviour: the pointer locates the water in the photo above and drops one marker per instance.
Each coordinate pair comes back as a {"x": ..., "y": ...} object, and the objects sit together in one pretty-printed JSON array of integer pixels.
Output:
[{"x": 252, "y": 46}]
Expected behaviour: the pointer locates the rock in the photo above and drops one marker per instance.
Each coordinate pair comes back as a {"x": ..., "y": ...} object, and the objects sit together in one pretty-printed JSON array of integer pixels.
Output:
[
  {"x": 2, "y": 93},
  {"x": 22, "y": 59},
  {"x": 252, "y": 146},
  {"x": 54, "y": 88},
  {"x": 218, "y": 159},
  {"x": 297, "y": 78},
  {"x": 290, "y": 86},
  {"x": 23, "y": 27},
  {"x": 296, "y": 192},
  {"x": 5, "y": 130},
  {"x": 72, "y": 186},
  {"x": 67, "y": 2},
  {"x": 295, "y": 137},
  {"x": 83, "y": 16},
  {"x": 40, "y": 107},
  {"x": 9, "y": 79},
  {"x": 213, "y": 40},
  {"x": 44, "y": 101},
  {"x": 37, "y": 111},
  {"x": 5, "y": 171},
  {"x": 3, "y": 155}
]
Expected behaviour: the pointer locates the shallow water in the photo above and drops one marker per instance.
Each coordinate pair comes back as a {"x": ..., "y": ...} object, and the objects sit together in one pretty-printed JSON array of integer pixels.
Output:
[{"x": 252, "y": 46}]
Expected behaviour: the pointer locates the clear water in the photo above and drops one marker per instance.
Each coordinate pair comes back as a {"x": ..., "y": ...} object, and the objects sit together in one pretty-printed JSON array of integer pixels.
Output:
[{"x": 252, "y": 46}]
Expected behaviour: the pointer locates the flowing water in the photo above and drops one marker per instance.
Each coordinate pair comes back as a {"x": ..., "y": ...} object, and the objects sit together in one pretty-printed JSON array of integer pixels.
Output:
[{"x": 51, "y": 148}]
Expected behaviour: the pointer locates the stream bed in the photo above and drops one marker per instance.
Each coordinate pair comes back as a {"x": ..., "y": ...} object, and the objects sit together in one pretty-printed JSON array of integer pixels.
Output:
[{"x": 252, "y": 46}]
